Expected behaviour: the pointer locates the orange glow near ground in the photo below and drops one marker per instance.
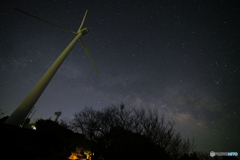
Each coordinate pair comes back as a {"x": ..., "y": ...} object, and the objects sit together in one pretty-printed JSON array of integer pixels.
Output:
[{"x": 73, "y": 156}]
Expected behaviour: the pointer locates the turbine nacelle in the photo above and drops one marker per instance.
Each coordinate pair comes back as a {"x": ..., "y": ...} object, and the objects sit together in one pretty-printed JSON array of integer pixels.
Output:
[{"x": 83, "y": 31}]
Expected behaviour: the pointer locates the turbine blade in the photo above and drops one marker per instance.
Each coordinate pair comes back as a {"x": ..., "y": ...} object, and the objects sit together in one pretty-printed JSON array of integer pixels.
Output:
[
  {"x": 82, "y": 21},
  {"x": 47, "y": 22},
  {"x": 85, "y": 48}
]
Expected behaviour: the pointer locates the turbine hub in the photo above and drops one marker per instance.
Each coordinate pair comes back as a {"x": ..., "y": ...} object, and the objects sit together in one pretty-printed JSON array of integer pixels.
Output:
[{"x": 84, "y": 31}]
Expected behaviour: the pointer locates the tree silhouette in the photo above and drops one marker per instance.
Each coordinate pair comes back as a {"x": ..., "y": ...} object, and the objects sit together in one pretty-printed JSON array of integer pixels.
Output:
[
  {"x": 123, "y": 144},
  {"x": 60, "y": 140},
  {"x": 141, "y": 125}
]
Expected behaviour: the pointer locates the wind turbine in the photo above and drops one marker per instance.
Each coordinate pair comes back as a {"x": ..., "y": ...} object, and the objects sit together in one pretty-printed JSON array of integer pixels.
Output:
[{"x": 18, "y": 116}]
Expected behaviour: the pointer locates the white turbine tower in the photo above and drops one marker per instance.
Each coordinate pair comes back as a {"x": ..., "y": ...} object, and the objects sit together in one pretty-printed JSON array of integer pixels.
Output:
[{"x": 18, "y": 116}]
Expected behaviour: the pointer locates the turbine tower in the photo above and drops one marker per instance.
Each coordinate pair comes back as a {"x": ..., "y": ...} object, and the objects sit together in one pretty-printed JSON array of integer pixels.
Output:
[{"x": 18, "y": 116}]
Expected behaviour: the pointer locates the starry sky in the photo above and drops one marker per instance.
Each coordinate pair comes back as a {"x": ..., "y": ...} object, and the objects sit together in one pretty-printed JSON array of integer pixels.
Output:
[{"x": 181, "y": 57}]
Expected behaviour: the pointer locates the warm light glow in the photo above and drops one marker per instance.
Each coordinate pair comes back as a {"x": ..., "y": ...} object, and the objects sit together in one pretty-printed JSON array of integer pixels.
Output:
[
  {"x": 73, "y": 156},
  {"x": 88, "y": 154}
]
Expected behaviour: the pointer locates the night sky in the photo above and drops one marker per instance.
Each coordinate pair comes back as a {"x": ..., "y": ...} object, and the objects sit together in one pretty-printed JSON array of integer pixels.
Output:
[{"x": 179, "y": 56}]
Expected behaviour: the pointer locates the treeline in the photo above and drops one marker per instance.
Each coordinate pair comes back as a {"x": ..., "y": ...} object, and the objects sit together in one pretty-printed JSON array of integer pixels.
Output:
[
  {"x": 117, "y": 133},
  {"x": 112, "y": 133},
  {"x": 136, "y": 134},
  {"x": 51, "y": 141}
]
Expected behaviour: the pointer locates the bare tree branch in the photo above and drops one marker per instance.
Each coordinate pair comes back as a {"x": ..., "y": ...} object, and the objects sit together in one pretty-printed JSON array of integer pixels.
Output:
[{"x": 95, "y": 125}]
